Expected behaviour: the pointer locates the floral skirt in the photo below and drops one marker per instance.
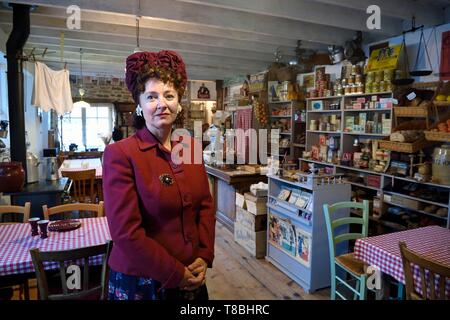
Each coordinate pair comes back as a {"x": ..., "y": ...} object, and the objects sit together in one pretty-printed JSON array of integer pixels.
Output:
[{"x": 126, "y": 287}]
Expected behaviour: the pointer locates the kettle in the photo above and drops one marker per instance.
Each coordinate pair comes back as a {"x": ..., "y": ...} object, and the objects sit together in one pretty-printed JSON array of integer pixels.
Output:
[{"x": 32, "y": 167}]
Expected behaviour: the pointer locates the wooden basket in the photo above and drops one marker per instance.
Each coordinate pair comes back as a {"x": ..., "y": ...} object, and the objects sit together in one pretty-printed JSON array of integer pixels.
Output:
[
  {"x": 444, "y": 89},
  {"x": 406, "y": 147},
  {"x": 413, "y": 112},
  {"x": 438, "y": 135},
  {"x": 411, "y": 147}
]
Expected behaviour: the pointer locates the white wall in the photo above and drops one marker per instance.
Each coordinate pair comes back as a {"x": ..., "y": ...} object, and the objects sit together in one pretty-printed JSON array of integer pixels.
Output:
[
  {"x": 412, "y": 44},
  {"x": 36, "y": 129}
]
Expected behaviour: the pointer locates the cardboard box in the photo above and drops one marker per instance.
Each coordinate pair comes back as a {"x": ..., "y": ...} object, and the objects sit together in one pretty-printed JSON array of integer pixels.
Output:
[
  {"x": 254, "y": 242},
  {"x": 251, "y": 221},
  {"x": 240, "y": 201},
  {"x": 255, "y": 205}
]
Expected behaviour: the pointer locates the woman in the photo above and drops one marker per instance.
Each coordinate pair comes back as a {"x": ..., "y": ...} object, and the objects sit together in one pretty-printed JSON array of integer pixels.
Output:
[{"x": 160, "y": 213}]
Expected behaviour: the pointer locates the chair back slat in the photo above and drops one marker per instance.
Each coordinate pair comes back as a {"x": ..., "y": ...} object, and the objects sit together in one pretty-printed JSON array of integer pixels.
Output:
[
  {"x": 343, "y": 221},
  {"x": 442, "y": 286},
  {"x": 432, "y": 286},
  {"x": 67, "y": 210},
  {"x": 62, "y": 274},
  {"x": 435, "y": 269},
  {"x": 86, "y": 273},
  {"x": 83, "y": 184},
  {"x": 19, "y": 213},
  {"x": 61, "y": 257}
]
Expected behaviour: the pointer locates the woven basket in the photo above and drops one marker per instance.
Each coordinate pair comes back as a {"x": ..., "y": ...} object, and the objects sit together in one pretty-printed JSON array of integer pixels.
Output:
[
  {"x": 437, "y": 136},
  {"x": 411, "y": 111},
  {"x": 412, "y": 147}
]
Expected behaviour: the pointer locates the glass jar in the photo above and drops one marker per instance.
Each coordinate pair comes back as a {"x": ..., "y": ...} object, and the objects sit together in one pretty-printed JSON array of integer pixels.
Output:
[
  {"x": 368, "y": 87},
  {"x": 388, "y": 75},
  {"x": 375, "y": 87},
  {"x": 379, "y": 75}
]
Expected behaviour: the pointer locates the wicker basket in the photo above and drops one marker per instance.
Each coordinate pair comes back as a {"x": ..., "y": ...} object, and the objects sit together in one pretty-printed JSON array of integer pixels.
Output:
[
  {"x": 412, "y": 112},
  {"x": 437, "y": 136},
  {"x": 412, "y": 147},
  {"x": 406, "y": 147}
]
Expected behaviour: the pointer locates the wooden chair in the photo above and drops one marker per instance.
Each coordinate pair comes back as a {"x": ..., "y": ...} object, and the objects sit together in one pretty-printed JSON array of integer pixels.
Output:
[
  {"x": 16, "y": 214},
  {"x": 20, "y": 214},
  {"x": 67, "y": 211},
  {"x": 83, "y": 183},
  {"x": 434, "y": 268},
  {"x": 347, "y": 262},
  {"x": 89, "y": 290}
]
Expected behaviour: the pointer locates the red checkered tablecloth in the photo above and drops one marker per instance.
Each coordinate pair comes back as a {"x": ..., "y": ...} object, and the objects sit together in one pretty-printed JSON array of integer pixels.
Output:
[
  {"x": 432, "y": 242},
  {"x": 16, "y": 241}
]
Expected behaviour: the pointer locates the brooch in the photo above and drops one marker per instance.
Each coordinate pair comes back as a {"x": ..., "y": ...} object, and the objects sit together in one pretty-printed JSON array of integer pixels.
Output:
[{"x": 166, "y": 179}]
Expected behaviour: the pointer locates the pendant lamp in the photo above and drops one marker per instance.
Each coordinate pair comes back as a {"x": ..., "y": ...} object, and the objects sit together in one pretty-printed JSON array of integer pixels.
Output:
[{"x": 81, "y": 103}]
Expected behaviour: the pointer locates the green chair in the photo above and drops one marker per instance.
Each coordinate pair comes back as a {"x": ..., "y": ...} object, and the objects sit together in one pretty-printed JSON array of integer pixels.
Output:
[{"x": 347, "y": 262}]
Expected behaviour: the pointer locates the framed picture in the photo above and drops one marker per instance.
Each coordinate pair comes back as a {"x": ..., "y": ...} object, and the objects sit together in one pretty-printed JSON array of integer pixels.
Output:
[{"x": 307, "y": 80}]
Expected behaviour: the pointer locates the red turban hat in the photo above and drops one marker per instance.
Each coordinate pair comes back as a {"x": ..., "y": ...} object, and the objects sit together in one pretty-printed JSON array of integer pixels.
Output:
[{"x": 167, "y": 65}]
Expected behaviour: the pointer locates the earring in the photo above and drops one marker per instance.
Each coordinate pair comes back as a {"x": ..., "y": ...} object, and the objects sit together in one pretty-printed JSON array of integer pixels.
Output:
[
  {"x": 180, "y": 108},
  {"x": 139, "y": 111}
]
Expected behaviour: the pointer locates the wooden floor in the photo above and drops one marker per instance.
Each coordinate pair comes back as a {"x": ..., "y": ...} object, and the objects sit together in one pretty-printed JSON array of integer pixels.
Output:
[{"x": 236, "y": 275}]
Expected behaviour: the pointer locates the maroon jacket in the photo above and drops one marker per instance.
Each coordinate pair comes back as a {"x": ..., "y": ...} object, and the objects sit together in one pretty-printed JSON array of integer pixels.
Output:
[{"x": 157, "y": 228}]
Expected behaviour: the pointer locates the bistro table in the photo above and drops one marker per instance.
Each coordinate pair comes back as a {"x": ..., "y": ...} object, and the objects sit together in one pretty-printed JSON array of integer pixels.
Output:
[
  {"x": 432, "y": 242},
  {"x": 16, "y": 242}
]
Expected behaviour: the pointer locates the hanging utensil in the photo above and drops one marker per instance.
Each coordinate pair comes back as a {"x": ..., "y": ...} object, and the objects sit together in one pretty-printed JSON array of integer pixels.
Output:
[
  {"x": 404, "y": 81},
  {"x": 426, "y": 72}
]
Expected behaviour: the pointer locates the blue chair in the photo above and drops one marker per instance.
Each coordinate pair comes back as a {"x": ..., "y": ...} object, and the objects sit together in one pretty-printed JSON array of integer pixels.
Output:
[{"x": 347, "y": 262}]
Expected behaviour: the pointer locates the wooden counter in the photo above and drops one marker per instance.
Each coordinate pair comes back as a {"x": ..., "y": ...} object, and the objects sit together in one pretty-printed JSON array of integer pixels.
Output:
[
  {"x": 40, "y": 193},
  {"x": 223, "y": 185}
]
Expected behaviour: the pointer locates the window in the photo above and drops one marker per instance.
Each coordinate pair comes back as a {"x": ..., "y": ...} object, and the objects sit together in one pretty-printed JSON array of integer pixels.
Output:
[{"x": 86, "y": 126}]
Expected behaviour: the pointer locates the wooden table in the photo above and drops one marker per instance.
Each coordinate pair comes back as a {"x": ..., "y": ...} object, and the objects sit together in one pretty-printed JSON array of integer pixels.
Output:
[
  {"x": 223, "y": 185},
  {"x": 39, "y": 193}
]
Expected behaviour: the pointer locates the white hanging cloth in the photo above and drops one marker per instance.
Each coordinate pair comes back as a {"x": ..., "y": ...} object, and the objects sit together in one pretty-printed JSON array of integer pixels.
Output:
[{"x": 52, "y": 89}]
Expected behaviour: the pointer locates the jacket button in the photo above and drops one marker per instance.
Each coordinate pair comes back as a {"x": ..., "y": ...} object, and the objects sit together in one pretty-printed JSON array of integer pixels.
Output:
[{"x": 189, "y": 237}]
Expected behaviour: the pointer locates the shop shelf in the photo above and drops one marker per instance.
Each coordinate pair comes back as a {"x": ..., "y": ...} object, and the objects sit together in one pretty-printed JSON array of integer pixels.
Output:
[
  {"x": 415, "y": 210},
  {"x": 417, "y": 199}
]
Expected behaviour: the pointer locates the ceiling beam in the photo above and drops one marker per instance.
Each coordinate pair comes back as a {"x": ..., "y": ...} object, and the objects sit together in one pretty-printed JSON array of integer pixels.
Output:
[
  {"x": 404, "y": 9},
  {"x": 119, "y": 59},
  {"x": 193, "y": 72},
  {"x": 215, "y": 17},
  {"x": 152, "y": 24},
  {"x": 98, "y": 31},
  {"x": 306, "y": 11}
]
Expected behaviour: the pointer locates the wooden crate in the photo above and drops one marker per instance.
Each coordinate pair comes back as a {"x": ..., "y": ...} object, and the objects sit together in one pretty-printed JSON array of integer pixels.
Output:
[
  {"x": 251, "y": 221},
  {"x": 255, "y": 205},
  {"x": 254, "y": 242}
]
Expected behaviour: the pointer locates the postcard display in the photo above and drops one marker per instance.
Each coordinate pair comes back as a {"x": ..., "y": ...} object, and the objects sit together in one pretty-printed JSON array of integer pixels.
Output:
[{"x": 297, "y": 241}]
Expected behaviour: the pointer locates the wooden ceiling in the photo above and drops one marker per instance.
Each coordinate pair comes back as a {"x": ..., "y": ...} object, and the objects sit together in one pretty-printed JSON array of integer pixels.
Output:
[{"x": 217, "y": 38}]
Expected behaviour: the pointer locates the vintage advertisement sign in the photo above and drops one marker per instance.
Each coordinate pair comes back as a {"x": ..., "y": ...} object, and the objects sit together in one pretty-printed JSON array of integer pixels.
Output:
[{"x": 384, "y": 58}]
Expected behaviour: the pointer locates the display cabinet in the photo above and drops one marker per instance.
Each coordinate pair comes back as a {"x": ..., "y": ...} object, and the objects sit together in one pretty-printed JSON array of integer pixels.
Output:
[{"x": 297, "y": 241}]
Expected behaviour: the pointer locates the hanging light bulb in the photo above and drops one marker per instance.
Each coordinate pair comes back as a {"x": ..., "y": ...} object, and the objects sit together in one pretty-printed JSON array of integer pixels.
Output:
[
  {"x": 138, "y": 16},
  {"x": 137, "y": 49},
  {"x": 81, "y": 103}
]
